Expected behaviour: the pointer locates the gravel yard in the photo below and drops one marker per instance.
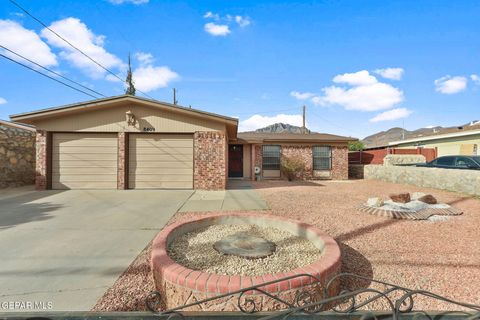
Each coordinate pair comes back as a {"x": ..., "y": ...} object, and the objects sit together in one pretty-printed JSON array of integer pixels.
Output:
[
  {"x": 195, "y": 250},
  {"x": 442, "y": 256}
]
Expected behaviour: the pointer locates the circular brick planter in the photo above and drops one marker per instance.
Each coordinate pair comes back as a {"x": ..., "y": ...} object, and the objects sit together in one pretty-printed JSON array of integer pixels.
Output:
[{"x": 179, "y": 285}]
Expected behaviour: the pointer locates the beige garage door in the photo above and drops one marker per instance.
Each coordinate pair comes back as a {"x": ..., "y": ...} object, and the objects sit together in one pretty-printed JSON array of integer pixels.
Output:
[
  {"x": 84, "y": 161},
  {"x": 160, "y": 161}
]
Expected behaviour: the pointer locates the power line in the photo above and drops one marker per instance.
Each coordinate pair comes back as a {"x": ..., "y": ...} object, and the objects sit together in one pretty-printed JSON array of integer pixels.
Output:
[
  {"x": 330, "y": 122},
  {"x": 46, "y": 75},
  {"x": 70, "y": 44},
  {"x": 265, "y": 112},
  {"x": 55, "y": 73}
]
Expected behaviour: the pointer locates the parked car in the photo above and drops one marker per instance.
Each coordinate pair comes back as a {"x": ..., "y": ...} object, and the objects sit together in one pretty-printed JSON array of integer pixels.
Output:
[{"x": 454, "y": 162}]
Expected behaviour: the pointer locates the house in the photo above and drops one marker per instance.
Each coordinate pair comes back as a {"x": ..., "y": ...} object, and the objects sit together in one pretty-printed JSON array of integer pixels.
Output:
[
  {"x": 128, "y": 142},
  {"x": 17, "y": 154},
  {"x": 463, "y": 140}
]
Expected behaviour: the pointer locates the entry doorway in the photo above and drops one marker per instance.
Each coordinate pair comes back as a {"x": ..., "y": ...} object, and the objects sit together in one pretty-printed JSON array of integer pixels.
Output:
[{"x": 235, "y": 161}]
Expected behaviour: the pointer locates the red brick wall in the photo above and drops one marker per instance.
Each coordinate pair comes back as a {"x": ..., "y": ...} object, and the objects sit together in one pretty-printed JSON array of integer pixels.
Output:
[
  {"x": 41, "y": 160},
  {"x": 210, "y": 163},
  {"x": 340, "y": 163},
  {"x": 305, "y": 153},
  {"x": 122, "y": 160}
]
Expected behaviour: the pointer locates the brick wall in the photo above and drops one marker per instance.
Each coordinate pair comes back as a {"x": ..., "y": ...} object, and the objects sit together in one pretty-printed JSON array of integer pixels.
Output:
[
  {"x": 17, "y": 156},
  {"x": 122, "y": 160},
  {"x": 41, "y": 160},
  {"x": 340, "y": 163},
  {"x": 210, "y": 163},
  {"x": 303, "y": 152}
]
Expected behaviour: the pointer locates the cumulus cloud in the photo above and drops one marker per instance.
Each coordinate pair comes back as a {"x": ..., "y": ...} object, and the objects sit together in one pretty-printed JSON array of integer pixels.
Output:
[
  {"x": 450, "y": 85},
  {"x": 211, "y": 15},
  {"x": 82, "y": 37},
  {"x": 242, "y": 21},
  {"x": 137, "y": 2},
  {"x": 393, "y": 114},
  {"x": 217, "y": 29},
  {"x": 360, "y": 78},
  {"x": 144, "y": 58},
  {"x": 302, "y": 95},
  {"x": 2, "y": 100},
  {"x": 25, "y": 42},
  {"x": 149, "y": 78},
  {"x": 258, "y": 121},
  {"x": 475, "y": 78},
  {"x": 390, "y": 73}
]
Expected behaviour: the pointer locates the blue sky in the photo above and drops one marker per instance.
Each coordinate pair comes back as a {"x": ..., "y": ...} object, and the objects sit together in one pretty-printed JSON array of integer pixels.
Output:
[{"x": 358, "y": 66}]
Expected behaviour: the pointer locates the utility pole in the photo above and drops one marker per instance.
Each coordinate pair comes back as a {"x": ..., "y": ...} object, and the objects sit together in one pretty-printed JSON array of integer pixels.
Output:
[
  {"x": 303, "y": 126},
  {"x": 175, "y": 101},
  {"x": 403, "y": 129}
]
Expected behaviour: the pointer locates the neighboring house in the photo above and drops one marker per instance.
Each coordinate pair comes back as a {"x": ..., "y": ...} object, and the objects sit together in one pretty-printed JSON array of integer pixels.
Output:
[
  {"x": 17, "y": 154},
  {"x": 461, "y": 140},
  {"x": 128, "y": 142}
]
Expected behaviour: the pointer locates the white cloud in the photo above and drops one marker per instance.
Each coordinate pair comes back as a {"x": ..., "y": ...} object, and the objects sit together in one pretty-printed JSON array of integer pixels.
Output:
[
  {"x": 83, "y": 38},
  {"x": 149, "y": 78},
  {"x": 360, "y": 78},
  {"x": 211, "y": 15},
  {"x": 393, "y": 114},
  {"x": 2, "y": 100},
  {"x": 302, "y": 95},
  {"x": 450, "y": 85},
  {"x": 144, "y": 58},
  {"x": 242, "y": 21},
  {"x": 390, "y": 73},
  {"x": 25, "y": 42},
  {"x": 137, "y": 2},
  {"x": 217, "y": 29},
  {"x": 475, "y": 78},
  {"x": 258, "y": 121},
  {"x": 373, "y": 97}
]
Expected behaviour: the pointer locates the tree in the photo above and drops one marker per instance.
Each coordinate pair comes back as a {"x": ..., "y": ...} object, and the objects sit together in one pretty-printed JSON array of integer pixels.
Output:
[
  {"x": 356, "y": 146},
  {"x": 130, "y": 87}
]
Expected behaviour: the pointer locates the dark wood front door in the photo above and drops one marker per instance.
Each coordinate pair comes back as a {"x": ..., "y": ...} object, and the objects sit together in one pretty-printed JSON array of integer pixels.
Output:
[{"x": 235, "y": 160}]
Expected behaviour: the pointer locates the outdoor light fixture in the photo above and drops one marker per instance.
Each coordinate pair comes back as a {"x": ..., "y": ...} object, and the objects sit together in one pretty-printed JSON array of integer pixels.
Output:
[{"x": 130, "y": 118}]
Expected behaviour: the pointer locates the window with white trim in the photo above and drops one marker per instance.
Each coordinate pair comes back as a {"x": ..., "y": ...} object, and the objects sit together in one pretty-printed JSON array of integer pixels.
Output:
[{"x": 322, "y": 157}]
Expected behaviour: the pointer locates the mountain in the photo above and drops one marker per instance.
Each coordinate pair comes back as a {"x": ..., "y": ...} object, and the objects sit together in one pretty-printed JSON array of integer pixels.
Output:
[
  {"x": 282, "y": 128},
  {"x": 394, "y": 134}
]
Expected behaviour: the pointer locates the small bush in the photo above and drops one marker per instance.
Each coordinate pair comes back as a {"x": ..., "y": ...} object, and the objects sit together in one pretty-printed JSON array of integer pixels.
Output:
[{"x": 292, "y": 166}]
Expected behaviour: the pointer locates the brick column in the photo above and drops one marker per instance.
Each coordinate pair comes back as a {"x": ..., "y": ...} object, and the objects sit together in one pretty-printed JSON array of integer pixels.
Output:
[
  {"x": 340, "y": 163},
  {"x": 122, "y": 169},
  {"x": 210, "y": 163},
  {"x": 41, "y": 156}
]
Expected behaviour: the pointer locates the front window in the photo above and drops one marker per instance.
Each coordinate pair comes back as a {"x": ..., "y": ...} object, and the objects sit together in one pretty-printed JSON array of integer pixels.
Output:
[
  {"x": 271, "y": 158},
  {"x": 322, "y": 158}
]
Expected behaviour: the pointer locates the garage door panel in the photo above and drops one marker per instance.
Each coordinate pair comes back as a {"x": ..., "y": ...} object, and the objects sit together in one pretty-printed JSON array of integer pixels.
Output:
[
  {"x": 84, "y": 161},
  {"x": 160, "y": 161}
]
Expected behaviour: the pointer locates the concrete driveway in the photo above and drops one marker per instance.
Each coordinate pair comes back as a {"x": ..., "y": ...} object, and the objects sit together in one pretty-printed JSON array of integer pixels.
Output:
[{"x": 67, "y": 247}]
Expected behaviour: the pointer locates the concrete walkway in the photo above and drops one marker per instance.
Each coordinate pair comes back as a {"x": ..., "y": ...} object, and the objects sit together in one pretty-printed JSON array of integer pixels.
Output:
[
  {"x": 239, "y": 196},
  {"x": 68, "y": 247}
]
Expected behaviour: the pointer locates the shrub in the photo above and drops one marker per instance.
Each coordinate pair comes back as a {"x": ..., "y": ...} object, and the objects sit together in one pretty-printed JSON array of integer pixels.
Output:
[{"x": 292, "y": 166}]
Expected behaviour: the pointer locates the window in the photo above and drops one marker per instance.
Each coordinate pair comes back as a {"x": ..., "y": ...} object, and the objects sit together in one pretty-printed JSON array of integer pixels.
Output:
[
  {"x": 464, "y": 162},
  {"x": 271, "y": 158},
  {"x": 322, "y": 158},
  {"x": 445, "y": 161}
]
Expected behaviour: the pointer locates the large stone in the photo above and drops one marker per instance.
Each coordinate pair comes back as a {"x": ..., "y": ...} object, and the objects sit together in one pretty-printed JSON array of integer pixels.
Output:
[
  {"x": 375, "y": 202},
  {"x": 400, "y": 197},
  {"x": 428, "y": 199},
  {"x": 245, "y": 246},
  {"x": 416, "y": 195}
]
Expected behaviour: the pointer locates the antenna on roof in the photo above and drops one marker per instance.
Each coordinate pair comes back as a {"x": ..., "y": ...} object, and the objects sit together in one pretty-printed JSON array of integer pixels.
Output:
[
  {"x": 175, "y": 101},
  {"x": 129, "y": 80}
]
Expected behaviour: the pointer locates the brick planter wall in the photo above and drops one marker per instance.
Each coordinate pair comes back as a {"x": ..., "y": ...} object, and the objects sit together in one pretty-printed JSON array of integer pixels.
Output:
[
  {"x": 41, "y": 160},
  {"x": 17, "y": 156},
  {"x": 179, "y": 285},
  {"x": 340, "y": 163},
  {"x": 210, "y": 163},
  {"x": 303, "y": 152}
]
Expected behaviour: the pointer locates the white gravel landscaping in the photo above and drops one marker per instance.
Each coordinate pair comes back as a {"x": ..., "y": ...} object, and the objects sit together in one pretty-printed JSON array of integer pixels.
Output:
[{"x": 195, "y": 250}]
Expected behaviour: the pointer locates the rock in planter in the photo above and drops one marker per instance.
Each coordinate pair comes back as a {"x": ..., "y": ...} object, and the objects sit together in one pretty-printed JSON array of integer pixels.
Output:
[
  {"x": 416, "y": 195},
  {"x": 400, "y": 197},
  {"x": 428, "y": 199},
  {"x": 375, "y": 202}
]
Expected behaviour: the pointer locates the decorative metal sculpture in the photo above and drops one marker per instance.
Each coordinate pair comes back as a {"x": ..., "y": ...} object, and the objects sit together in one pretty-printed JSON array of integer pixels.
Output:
[{"x": 398, "y": 300}]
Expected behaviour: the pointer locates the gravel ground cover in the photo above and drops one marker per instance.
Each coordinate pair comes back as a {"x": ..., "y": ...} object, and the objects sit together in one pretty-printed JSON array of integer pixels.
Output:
[
  {"x": 438, "y": 256},
  {"x": 195, "y": 250}
]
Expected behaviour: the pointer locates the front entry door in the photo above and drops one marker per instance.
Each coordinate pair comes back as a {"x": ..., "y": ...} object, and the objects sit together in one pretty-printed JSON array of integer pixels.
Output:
[{"x": 235, "y": 160}]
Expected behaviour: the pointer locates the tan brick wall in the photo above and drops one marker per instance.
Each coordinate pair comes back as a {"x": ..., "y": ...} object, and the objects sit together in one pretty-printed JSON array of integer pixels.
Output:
[
  {"x": 340, "y": 163},
  {"x": 210, "y": 163},
  {"x": 122, "y": 160},
  {"x": 41, "y": 160}
]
